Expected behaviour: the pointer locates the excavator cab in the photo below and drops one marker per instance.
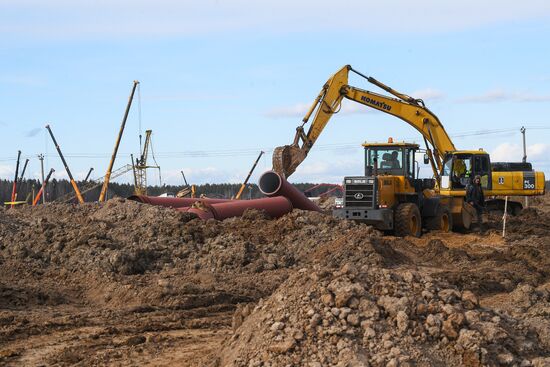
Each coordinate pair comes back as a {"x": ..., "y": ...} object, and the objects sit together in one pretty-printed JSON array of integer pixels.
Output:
[{"x": 459, "y": 168}]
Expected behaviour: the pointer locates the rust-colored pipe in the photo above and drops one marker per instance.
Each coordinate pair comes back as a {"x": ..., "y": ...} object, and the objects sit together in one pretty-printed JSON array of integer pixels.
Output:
[
  {"x": 170, "y": 202},
  {"x": 272, "y": 184},
  {"x": 203, "y": 214},
  {"x": 275, "y": 207}
]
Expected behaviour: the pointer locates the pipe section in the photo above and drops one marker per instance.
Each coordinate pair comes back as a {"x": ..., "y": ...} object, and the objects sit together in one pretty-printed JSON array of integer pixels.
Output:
[
  {"x": 275, "y": 207},
  {"x": 170, "y": 202},
  {"x": 203, "y": 214},
  {"x": 272, "y": 184}
]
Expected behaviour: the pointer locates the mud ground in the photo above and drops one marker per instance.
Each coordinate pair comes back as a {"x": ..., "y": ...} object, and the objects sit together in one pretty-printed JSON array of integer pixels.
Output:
[{"x": 129, "y": 284}]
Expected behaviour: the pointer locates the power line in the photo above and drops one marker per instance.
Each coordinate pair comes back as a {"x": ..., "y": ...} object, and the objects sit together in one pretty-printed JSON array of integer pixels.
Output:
[{"x": 241, "y": 152}]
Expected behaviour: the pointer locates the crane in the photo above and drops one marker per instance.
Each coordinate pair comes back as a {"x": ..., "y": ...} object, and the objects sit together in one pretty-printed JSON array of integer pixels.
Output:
[
  {"x": 243, "y": 186},
  {"x": 14, "y": 186},
  {"x": 103, "y": 192},
  {"x": 73, "y": 182},
  {"x": 42, "y": 188},
  {"x": 141, "y": 166}
]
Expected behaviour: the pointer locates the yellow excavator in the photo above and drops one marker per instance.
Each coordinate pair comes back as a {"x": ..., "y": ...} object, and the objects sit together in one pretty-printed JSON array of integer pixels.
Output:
[{"x": 390, "y": 195}]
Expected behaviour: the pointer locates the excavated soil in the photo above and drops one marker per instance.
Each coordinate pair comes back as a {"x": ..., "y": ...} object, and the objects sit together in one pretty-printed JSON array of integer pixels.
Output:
[{"x": 129, "y": 284}]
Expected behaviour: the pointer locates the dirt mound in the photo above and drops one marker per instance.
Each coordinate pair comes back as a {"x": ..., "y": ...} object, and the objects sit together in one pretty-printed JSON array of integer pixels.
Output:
[
  {"x": 126, "y": 283},
  {"x": 530, "y": 222},
  {"x": 355, "y": 314}
]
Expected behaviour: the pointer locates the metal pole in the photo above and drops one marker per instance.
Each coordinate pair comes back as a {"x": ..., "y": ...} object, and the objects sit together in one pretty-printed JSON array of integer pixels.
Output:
[
  {"x": 119, "y": 137},
  {"x": 41, "y": 157},
  {"x": 23, "y": 171},
  {"x": 42, "y": 192},
  {"x": 184, "y": 179},
  {"x": 89, "y": 173},
  {"x": 73, "y": 182},
  {"x": 504, "y": 216},
  {"x": 526, "y": 199},
  {"x": 524, "y": 147},
  {"x": 20, "y": 179},
  {"x": 238, "y": 196},
  {"x": 14, "y": 187}
]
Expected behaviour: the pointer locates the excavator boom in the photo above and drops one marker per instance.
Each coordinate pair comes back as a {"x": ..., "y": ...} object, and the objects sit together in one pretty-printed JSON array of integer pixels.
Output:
[{"x": 413, "y": 111}]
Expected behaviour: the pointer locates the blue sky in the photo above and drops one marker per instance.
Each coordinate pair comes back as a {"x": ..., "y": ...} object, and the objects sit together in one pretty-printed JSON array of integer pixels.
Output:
[{"x": 222, "y": 80}]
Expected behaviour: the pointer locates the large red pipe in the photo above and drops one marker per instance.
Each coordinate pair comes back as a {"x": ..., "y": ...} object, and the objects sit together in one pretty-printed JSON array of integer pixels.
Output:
[
  {"x": 271, "y": 184},
  {"x": 173, "y": 202},
  {"x": 274, "y": 207}
]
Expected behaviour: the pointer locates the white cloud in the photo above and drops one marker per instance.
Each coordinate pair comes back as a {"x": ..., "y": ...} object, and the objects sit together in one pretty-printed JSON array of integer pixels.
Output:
[
  {"x": 64, "y": 19},
  {"x": 6, "y": 171},
  {"x": 33, "y": 132},
  {"x": 332, "y": 171},
  {"x": 428, "y": 94},
  {"x": 299, "y": 110},
  {"x": 501, "y": 95},
  {"x": 509, "y": 152},
  {"x": 348, "y": 107}
]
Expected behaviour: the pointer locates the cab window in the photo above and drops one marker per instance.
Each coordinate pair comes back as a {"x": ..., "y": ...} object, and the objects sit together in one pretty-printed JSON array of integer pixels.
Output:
[
  {"x": 462, "y": 171},
  {"x": 388, "y": 159},
  {"x": 410, "y": 164},
  {"x": 481, "y": 167},
  {"x": 447, "y": 166}
]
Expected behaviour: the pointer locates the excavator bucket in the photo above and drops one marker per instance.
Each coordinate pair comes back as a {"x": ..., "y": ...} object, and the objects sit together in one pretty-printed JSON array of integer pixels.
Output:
[{"x": 286, "y": 159}]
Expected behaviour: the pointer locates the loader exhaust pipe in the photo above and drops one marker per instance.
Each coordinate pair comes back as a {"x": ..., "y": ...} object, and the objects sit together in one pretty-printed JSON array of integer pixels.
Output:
[{"x": 272, "y": 184}]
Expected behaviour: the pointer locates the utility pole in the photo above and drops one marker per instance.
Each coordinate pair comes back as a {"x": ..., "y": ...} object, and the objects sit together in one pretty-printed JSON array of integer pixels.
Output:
[
  {"x": 41, "y": 158},
  {"x": 117, "y": 143},
  {"x": 524, "y": 160},
  {"x": 524, "y": 146}
]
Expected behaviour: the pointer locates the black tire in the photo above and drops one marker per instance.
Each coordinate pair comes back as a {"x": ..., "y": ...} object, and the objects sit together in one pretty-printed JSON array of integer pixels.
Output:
[
  {"x": 408, "y": 221},
  {"x": 443, "y": 220}
]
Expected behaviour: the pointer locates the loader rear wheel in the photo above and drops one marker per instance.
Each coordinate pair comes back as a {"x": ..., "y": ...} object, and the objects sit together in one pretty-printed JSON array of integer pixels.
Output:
[
  {"x": 443, "y": 220},
  {"x": 408, "y": 221}
]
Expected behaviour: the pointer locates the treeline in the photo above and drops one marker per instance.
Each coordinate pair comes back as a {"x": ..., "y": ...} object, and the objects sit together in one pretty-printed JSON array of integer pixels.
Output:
[{"x": 61, "y": 190}]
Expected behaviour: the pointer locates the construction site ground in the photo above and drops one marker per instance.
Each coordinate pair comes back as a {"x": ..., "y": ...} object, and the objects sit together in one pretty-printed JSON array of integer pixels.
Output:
[{"x": 125, "y": 284}]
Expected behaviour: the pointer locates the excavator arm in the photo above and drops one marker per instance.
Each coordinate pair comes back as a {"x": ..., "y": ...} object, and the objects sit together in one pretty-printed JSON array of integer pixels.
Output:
[{"x": 413, "y": 111}]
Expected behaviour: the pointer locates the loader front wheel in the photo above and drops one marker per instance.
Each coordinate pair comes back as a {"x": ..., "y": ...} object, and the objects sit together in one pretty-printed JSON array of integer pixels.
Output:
[
  {"x": 443, "y": 220},
  {"x": 408, "y": 221}
]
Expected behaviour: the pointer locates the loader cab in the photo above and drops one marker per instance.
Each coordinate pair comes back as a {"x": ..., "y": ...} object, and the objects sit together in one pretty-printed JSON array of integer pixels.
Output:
[
  {"x": 459, "y": 169},
  {"x": 391, "y": 159}
]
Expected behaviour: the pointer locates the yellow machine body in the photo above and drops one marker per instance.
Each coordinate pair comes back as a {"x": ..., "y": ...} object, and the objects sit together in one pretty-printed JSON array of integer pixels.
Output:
[{"x": 400, "y": 196}]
